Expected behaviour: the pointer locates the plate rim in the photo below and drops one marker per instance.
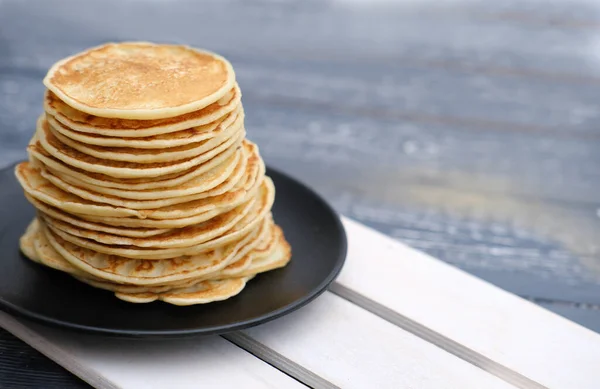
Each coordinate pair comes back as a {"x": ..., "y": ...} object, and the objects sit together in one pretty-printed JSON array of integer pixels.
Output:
[{"x": 215, "y": 329}]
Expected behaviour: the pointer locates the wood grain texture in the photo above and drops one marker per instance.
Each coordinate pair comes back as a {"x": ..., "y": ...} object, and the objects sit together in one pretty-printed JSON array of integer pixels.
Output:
[
  {"x": 117, "y": 363},
  {"x": 467, "y": 129},
  {"x": 24, "y": 367},
  {"x": 331, "y": 338},
  {"x": 482, "y": 318}
]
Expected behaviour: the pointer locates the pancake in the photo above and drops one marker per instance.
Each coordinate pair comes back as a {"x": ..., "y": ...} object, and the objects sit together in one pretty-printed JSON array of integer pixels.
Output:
[
  {"x": 134, "y": 289},
  {"x": 134, "y": 222},
  {"x": 236, "y": 267},
  {"x": 265, "y": 248},
  {"x": 192, "y": 212},
  {"x": 37, "y": 187},
  {"x": 222, "y": 178},
  {"x": 122, "y": 169},
  {"x": 182, "y": 237},
  {"x": 131, "y": 129},
  {"x": 146, "y": 272},
  {"x": 61, "y": 169},
  {"x": 41, "y": 189},
  {"x": 237, "y": 194},
  {"x": 278, "y": 258},
  {"x": 216, "y": 197},
  {"x": 49, "y": 257},
  {"x": 265, "y": 240},
  {"x": 27, "y": 240},
  {"x": 177, "y": 238},
  {"x": 193, "y": 127},
  {"x": 176, "y": 139},
  {"x": 192, "y": 290},
  {"x": 139, "y": 80},
  {"x": 76, "y": 221},
  {"x": 202, "y": 293},
  {"x": 32, "y": 160},
  {"x": 197, "y": 294},
  {"x": 46, "y": 255},
  {"x": 186, "y": 241},
  {"x": 131, "y": 154},
  {"x": 212, "y": 183}
]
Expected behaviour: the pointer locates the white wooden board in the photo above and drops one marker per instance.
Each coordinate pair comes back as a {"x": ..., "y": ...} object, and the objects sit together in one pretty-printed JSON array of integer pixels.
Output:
[
  {"x": 207, "y": 362},
  {"x": 352, "y": 348},
  {"x": 530, "y": 340}
]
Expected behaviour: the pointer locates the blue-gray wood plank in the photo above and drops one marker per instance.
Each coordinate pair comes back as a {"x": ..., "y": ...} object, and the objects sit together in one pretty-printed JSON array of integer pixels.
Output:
[{"x": 469, "y": 129}]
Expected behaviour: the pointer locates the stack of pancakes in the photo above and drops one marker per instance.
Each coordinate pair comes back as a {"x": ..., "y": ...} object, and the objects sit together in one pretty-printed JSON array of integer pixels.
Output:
[{"x": 143, "y": 180}]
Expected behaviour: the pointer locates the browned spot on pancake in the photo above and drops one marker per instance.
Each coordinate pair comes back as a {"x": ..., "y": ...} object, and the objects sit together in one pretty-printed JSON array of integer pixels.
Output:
[
  {"x": 180, "y": 261},
  {"x": 77, "y": 250},
  {"x": 37, "y": 147},
  {"x": 253, "y": 160},
  {"x": 211, "y": 289},
  {"x": 114, "y": 263},
  {"x": 239, "y": 264},
  {"x": 145, "y": 266},
  {"x": 48, "y": 185}
]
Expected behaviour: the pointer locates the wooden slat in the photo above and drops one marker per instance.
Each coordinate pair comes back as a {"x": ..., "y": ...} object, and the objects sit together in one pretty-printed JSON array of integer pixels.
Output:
[
  {"x": 514, "y": 167},
  {"x": 424, "y": 94},
  {"x": 512, "y": 332},
  {"x": 473, "y": 31},
  {"x": 352, "y": 348},
  {"x": 118, "y": 363}
]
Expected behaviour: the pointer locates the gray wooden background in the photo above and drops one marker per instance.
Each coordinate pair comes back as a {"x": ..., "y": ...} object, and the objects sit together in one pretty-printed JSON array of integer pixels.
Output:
[{"x": 467, "y": 129}]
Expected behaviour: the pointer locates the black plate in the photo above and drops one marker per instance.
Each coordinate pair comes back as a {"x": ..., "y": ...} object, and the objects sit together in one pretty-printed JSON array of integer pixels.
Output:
[{"x": 311, "y": 226}]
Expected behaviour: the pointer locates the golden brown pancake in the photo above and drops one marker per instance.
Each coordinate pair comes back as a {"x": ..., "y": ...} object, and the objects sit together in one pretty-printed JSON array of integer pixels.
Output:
[
  {"x": 202, "y": 293},
  {"x": 129, "y": 128},
  {"x": 138, "y": 80},
  {"x": 123, "y": 169},
  {"x": 27, "y": 240},
  {"x": 150, "y": 155},
  {"x": 185, "y": 241},
  {"x": 173, "y": 139},
  {"x": 231, "y": 169},
  {"x": 159, "y": 272},
  {"x": 37, "y": 152},
  {"x": 78, "y": 221}
]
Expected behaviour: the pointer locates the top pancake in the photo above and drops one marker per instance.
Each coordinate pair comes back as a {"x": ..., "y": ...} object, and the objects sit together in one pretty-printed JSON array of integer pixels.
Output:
[{"x": 138, "y": 80}]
